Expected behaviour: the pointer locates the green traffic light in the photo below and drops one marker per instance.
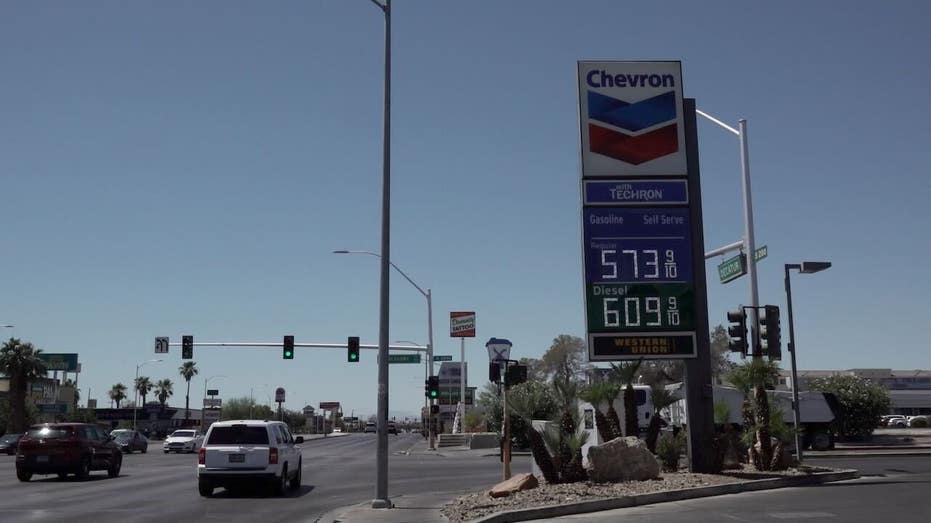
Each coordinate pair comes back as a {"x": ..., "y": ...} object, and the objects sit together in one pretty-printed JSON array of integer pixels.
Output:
[
  {"x": 288, "y": 354},
  {"x": 432, "y": 393}
]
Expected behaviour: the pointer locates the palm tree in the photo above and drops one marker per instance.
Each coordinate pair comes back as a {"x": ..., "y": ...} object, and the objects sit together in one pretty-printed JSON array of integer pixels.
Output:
[
  {"x": 164, "y": 389},
  {"x": 144, "y": 387},
  {"x": 187, "y": 371},
  {"x": 755, "y": 376},
  {"x": 626, "y": 373},
  {"x": 662, "y": 399},
  {"x": 77, "y": 393},
  {"x": 598, "y": 393},
  {"x": 20, "y": 362},
  {"x": 117, "y": 393}
]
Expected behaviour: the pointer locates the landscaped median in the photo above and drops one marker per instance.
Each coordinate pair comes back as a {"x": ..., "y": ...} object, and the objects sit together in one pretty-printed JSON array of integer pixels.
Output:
[{"x": 549, "y": 501}]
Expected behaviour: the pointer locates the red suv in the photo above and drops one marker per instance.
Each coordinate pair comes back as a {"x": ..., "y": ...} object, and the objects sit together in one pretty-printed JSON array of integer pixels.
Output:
[{"x": 63, "y": 448}]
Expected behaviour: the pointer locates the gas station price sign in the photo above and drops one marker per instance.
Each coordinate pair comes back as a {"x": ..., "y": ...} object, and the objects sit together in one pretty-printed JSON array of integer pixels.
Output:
[
  {"x": 638, "y": 269},
  {"x": 639, "y": 278}
]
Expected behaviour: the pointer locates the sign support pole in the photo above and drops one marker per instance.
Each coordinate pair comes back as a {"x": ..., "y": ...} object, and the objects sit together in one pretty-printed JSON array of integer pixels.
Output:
[
  {"x": 507, "y": 429},
  {"x": 698, "y": 393}
]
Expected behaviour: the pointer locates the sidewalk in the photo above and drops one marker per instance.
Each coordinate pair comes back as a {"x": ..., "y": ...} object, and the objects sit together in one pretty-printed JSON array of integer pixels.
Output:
[
  {"x": 420, "y": 508},
  {"x": 426, "y": 507}
]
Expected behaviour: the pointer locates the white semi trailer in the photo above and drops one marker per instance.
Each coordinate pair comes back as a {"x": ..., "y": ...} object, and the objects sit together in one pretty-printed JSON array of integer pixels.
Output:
[{"x": 817, "y": 411}]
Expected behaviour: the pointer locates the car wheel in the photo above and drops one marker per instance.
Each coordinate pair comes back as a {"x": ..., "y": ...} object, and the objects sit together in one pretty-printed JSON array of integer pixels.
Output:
[
  {"x": 84, "y": 469},
  {"x": 145, "y": 449},
  {"x": 282, "y": 482},
  {"x": 296, "y": 480},
  {"x": 23, "y": 475},
  {"x": 166, "y": 452},
  {"x": 205, "y": 487},
  {"x": 115, "y": 464},
  {"x": 62, "y": 475}
]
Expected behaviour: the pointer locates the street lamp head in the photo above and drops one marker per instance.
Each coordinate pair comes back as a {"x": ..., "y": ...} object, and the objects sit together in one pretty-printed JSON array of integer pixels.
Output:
[
  {"x": 813, "y": 267},
  {"x": 341, "y": 251}
]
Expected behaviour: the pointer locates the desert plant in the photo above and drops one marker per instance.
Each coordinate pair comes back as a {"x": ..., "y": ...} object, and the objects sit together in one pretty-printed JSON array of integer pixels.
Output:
[
  {"x": 668, "y": 450},
  {"x": 626, "y": 373},
  {"x": 662, "y": 399},
  {"x": 597, "y": 394},
  {"x": 861, "y": 400},
  {"x": 523, "y": 406},
  {"x": 754, "y": 377},
  {"x": 567, "y": 449}
]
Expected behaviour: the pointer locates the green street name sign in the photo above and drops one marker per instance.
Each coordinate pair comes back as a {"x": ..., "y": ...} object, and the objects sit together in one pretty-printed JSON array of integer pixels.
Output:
[
  {"x": 443, "y": 357},
  {"x": 732, "y": 268},
  {"x": 735, "y": 267},
  {"x": 760, "y": 253},
  {"x": 404, "y": 358}
]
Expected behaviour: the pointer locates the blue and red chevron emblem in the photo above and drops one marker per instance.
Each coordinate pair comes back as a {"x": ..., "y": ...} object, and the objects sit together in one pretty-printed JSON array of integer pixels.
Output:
[{"x": 633, "y": 117}]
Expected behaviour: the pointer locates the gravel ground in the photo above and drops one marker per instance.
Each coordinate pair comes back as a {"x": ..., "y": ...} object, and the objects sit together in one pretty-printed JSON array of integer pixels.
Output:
[{"x": 480, "y": 504}]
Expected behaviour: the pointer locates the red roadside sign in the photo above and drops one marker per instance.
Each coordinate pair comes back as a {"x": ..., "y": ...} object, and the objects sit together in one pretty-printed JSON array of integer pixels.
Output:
[{"x": 462, "y": 324}]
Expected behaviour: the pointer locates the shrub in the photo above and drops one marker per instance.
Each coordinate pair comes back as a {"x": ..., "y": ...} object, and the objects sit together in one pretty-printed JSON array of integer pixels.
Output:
[
  {"x": 668, "y": 450},
  {"x": 919, "y": 423},
  {"x": 861, "y": 403}
]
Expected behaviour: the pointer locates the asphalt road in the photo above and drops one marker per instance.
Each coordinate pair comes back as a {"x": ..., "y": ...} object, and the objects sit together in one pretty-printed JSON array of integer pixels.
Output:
[
  {"x": 892, "y": 489},
  {"x": 160, "y": 487}
]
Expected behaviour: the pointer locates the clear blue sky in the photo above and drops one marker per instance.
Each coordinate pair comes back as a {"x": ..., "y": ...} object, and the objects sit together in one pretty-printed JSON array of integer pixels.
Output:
[{"x": 172, "y": 168}]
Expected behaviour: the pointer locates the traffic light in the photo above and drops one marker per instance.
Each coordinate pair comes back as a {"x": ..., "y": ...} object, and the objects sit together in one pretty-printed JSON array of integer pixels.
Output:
[
  {"x": 515, "y": 375},
  {"x": 353, "y": 345},
  {"x": 287, "y": 348},
  {"x": 737, "y": 331},
  {"x": 770, "y": 332},
  {"x": 494, "y": 371},
  {"x": 187, "y": 347},
  {"x": 431, "y": 387}
]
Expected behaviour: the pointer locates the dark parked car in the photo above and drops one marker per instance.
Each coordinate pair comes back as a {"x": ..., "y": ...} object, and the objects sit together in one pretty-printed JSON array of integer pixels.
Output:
[
  {"x": 129, "y": 440},
  {"x": 8, "y": 443},
  {"x": 66, "y": 448}
]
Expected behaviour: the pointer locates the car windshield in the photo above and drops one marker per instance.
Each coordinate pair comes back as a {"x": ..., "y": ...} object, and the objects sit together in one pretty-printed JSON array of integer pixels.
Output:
[
  {"x": 49, "y": 432},
  {"x": 238, "y": 435},
  {"x": 182, "y": 434},
  {"x": 10, "y": 438},
  {"x": 121, "y": 436}
]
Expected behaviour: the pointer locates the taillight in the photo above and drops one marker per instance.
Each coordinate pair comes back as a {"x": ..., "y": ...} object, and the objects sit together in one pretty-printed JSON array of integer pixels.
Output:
[
  {"x": 272, "y": 456},
  {"x": 202, "y": 456}
]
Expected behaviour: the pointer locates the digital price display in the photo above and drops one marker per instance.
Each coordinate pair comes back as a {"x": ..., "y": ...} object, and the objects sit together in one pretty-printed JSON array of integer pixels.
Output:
[{"x": 638, "y": 274}]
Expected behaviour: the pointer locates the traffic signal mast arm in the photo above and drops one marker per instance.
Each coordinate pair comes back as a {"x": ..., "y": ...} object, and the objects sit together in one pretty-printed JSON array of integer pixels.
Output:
[{"x": 279, "y": 344}]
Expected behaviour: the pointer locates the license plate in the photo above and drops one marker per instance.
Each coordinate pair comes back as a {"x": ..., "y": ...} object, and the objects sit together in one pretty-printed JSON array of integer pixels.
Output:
[
  {"x": 237, "y": 458},
  {"x": 41, "y": 459}
]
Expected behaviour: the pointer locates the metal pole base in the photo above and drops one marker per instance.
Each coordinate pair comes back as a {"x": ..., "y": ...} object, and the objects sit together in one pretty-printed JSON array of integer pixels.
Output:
[{"x": 382, "y": 503}]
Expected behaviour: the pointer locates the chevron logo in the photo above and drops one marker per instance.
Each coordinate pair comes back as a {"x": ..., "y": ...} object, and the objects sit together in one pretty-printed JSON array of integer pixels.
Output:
[{"x": 633, "y": 117}]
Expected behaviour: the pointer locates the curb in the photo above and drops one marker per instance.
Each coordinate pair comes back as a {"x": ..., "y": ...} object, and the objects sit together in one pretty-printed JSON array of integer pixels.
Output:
[
  {"x": 869, "y": 453},
  {"x": 660, "y": 497}
]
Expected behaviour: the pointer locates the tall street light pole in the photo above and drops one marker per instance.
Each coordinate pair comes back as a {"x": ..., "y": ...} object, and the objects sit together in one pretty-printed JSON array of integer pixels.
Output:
[
  {"x": 803, "y": 268},
  {"x": 136, "y": 389},
  {"x": 429, "y": 296},
  {"x": 749, "y": 241},
  {"x": 381, "y": 455}
]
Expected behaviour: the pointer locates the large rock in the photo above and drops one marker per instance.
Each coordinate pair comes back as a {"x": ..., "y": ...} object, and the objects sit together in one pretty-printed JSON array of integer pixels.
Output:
[
  {"x": 621, "y": 459},
  {"x": 525, "y": 481}
]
